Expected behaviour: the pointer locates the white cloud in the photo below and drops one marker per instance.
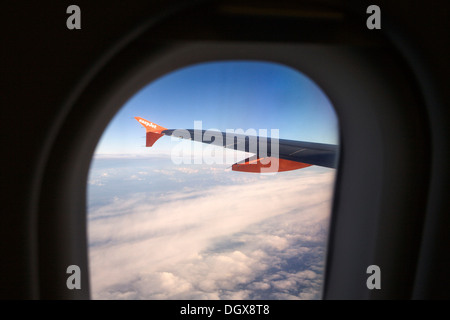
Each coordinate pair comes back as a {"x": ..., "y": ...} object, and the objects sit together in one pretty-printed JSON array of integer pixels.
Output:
[
  {"x": 260, "y": 286},
  {"x": 220, "y": 242},
  {"x": 96, "y": 182},
  {"x": 186, "y": 170},
  {"x": 164, "y": 171}
]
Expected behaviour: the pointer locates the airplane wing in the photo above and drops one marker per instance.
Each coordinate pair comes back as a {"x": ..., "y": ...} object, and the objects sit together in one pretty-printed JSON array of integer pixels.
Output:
[{"x": 269, "y": 154}]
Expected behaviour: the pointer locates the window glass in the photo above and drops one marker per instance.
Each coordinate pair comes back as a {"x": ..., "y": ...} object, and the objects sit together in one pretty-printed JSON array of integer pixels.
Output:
[{"x": 174, "y": 221}]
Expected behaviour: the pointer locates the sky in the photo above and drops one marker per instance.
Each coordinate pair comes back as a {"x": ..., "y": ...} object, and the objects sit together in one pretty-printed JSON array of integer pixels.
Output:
[
  {"x": 225, "y": 95},
  {"x": 164, "y": 230}
]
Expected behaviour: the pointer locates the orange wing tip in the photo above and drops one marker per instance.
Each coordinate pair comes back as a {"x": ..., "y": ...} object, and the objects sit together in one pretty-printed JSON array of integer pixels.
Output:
[
  {"x": 269, "y": 164},
  {"x": 153, "y": 131},
  {"x": 150, "y": 126}
]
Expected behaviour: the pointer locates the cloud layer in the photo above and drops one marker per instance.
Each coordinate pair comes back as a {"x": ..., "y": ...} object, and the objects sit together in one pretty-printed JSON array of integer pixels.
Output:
[{"x": 214, "y": 234}]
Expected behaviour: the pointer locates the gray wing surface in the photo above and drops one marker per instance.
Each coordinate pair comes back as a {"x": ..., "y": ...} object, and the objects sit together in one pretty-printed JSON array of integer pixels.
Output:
[{"x": 319, "y": 154}]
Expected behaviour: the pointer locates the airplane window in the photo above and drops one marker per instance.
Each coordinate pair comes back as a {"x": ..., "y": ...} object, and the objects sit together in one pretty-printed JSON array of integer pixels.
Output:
[{"x": 238, "y": 218}]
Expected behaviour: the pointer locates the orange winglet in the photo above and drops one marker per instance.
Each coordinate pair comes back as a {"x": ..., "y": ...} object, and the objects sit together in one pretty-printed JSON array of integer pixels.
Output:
[
  {"x": 271, "y": 165},
  {"x": 153, "y": 131},
  {"x": 150, "y": 126}
]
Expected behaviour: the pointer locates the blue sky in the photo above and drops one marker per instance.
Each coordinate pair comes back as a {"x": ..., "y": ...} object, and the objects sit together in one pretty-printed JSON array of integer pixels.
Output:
[{"x": 225, "y": 95}]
